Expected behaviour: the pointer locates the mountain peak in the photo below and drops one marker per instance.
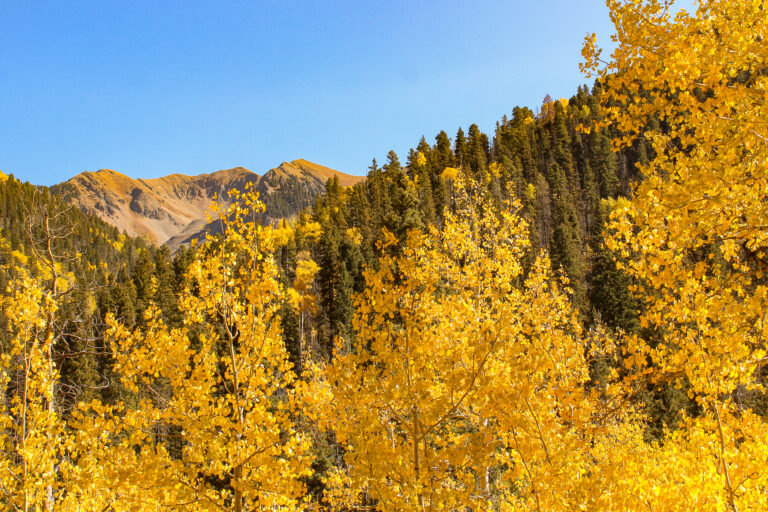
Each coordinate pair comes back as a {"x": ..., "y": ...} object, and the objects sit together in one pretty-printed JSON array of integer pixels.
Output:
[
  {"x": 345, "y": 180},
  {"x": 233, "y": 172}
]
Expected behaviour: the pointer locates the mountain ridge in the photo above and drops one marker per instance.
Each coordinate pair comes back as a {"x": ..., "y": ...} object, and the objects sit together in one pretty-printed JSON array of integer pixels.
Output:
[{"x": 172, "y": 209}]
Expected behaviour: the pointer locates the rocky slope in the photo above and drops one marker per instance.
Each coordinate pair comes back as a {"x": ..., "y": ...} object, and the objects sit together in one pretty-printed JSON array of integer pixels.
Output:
[{"x": 174, "y": 209}]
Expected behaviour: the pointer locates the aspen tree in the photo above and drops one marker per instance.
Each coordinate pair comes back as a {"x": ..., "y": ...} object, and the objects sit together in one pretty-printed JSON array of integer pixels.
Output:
[
  {"x": 696, "y": 233},
  {"x": 464, "y": 385},
  {"x": 33, "y": 436},
  {"x": 212, "y": 424}
]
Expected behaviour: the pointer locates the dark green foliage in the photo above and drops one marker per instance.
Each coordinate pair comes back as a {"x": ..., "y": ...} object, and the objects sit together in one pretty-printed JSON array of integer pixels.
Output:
[
  {"x": 609, "y": 295},
  {"x": 291, "y": 333},
  {"x": 559, "y": 173},
  {"x": 477, "y": 151}
]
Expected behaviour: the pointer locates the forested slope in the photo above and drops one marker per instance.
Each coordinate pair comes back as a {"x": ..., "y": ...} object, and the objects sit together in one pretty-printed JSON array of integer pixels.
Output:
[{"x": 566, "y": 177}]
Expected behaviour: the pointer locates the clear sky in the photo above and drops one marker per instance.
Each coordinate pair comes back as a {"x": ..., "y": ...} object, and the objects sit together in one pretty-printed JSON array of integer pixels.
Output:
[{"x": 149, "y": 88}]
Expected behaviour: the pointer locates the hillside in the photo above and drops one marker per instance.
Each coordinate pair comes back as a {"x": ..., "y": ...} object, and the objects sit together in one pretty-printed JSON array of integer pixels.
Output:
[
  {"x": 174, "y": 208},
  {"x": 292, "y": 186}
]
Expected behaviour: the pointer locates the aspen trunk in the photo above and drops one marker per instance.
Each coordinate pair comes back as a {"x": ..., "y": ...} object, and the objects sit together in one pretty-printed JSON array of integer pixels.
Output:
[{"x": 238, "y": 498}]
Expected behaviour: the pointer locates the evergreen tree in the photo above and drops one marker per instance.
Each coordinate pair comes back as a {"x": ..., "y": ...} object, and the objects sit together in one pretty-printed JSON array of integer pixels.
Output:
[{"x": 460, "y": 148}]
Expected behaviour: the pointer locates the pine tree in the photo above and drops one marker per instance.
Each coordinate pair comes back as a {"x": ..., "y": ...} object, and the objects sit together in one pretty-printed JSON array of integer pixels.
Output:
[{"x": 460, "y": 148}]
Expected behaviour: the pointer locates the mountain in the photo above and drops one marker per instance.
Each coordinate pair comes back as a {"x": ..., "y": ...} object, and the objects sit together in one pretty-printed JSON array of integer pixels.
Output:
[
  {"x": 285, "y": 190},
  {"x": 157, "y": 208},
  {"x": 174, "y": 208},
  {"x": 307, "y": 171},
  {"x": 292, "y": 186}
]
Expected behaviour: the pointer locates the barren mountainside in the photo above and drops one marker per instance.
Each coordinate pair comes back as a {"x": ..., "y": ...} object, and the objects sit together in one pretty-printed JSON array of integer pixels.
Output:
[{"x": 174, "y": 208}]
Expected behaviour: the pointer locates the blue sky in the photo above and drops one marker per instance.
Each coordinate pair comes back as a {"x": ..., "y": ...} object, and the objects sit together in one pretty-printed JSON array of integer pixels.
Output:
[{"x": 151, "y": 88}]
